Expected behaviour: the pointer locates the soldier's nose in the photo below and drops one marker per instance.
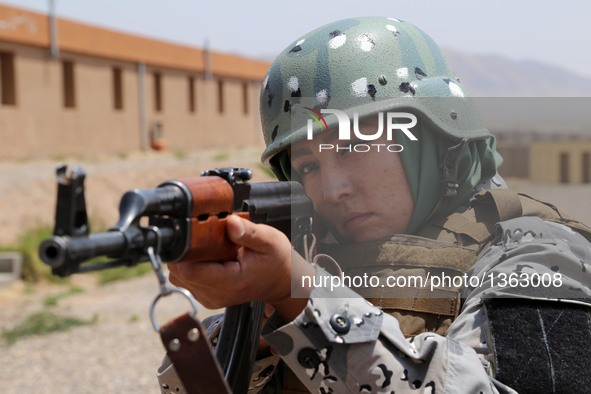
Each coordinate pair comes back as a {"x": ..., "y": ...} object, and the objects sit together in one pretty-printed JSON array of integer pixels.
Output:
[{"x": 336, "y": 185}]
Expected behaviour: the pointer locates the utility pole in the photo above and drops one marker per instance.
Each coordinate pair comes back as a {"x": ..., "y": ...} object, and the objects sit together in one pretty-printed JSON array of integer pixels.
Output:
[
  {"x": 55, "y": 51},
  {"x": 207, "y": 60}
]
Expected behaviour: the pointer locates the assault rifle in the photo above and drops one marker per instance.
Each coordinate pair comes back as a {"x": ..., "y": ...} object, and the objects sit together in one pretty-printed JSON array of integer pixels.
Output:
[{"x": 181, "y": 220}]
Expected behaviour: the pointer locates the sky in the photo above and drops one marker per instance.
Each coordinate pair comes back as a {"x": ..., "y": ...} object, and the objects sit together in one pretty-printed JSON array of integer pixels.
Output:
[{"x": 547, "y": 31}]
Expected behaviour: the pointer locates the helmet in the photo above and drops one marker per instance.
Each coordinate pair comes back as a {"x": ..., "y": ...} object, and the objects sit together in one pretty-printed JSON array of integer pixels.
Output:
[
  {"x": 372, "y": 65},
  {"x": 375, "y": 63}
]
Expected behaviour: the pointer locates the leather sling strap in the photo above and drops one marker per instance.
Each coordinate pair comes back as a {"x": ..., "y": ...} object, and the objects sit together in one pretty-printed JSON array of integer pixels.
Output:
[{"x": 188, "y": 348}]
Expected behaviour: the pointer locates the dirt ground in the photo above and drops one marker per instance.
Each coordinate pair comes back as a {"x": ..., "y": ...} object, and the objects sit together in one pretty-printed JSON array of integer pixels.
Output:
[{"x": 120, "y": 352}]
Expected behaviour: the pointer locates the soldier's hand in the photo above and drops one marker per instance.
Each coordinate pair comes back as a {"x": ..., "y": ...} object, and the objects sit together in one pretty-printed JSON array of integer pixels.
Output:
[{"x": 262, "y": 271}]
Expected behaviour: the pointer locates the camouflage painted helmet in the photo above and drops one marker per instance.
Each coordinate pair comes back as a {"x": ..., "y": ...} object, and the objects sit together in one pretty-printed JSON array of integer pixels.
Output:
[{"x": 378, "y": 64}]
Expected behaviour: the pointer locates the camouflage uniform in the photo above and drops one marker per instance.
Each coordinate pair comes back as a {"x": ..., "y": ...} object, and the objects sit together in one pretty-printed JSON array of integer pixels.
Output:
[
  {"x": 341, "y": 343},
  {"x": 493, "y": 337},
  {"x": 372, "y": 355}
]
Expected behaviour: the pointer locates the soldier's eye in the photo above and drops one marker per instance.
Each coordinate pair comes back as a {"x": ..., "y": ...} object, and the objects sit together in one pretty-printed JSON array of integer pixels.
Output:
[{"x": 306, "y": 168}]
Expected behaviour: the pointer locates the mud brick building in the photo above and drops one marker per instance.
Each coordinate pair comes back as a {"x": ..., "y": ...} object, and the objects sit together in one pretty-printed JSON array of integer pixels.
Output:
[{"x": 96, "y": 91}]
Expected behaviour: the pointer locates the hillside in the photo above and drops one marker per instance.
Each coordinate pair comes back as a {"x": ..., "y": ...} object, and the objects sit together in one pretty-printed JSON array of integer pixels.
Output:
[{"x": 498, "y": 76}]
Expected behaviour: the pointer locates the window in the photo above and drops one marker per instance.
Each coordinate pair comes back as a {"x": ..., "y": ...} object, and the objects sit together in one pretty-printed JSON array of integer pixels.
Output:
[
  {"x": 192, "y": 102},
  {"x": 220, "y": 96},
  {"x": 7, "y": 79},
  {"x": 69, "y": 88},
  {"x": 245, "y": 98},
  {"x": 564, "y": 170},
  {"x": 157, "y": 92},
  {"x": 117, "y": 88},
  {"x": 586, "y": 167}
]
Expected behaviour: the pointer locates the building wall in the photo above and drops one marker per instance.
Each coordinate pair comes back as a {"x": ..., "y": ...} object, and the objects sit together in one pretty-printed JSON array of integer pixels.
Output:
[
  {"x": 38, "y": 124},
  {"x": 516, "y": 160},
  {"x": 547, "y": 165},
  {"x": 206, "y": 127}
]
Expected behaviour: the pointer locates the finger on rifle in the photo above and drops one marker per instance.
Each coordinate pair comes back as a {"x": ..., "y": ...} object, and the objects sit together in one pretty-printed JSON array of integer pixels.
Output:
[
  {"x": 173, "y": 276},
  {"x": 257, "y": 237}
]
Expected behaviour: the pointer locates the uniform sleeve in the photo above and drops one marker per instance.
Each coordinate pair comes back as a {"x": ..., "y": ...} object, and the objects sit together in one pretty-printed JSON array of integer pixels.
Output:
[
  {"x": 341, "y": 343},
  {"x": 530, "y": 317}
]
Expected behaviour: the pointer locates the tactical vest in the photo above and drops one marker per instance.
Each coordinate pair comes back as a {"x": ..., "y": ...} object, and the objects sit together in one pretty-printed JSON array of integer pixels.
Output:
[{"x": 448, "y": 246}]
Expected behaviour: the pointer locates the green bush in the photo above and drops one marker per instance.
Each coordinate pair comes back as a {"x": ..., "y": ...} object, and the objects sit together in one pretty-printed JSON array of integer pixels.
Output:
[
  {"x": 43, "y": 323},
  {"x": 180, "y": 154},
  {"x": 122, "y": 273},
  {"x": 221, "y": 156},
  {"x": 53, "y": 299},
  {"x": 27, "y": 244}
]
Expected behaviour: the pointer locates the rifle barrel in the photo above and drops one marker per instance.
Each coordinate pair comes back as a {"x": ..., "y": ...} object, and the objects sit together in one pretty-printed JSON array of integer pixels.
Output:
[{"x": 64, "y": 253}]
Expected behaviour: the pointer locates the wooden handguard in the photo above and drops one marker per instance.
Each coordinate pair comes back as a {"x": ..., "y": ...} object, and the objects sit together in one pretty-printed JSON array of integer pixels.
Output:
[{"x": 212, "y": 201}]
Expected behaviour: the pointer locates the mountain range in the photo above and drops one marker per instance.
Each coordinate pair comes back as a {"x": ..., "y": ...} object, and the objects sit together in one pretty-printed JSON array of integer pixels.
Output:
[{"x": 499, "y": 76}]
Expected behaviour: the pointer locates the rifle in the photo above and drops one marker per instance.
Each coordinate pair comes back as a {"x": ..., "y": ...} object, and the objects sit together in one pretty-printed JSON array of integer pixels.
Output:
[{"x": 185, "y": 222}]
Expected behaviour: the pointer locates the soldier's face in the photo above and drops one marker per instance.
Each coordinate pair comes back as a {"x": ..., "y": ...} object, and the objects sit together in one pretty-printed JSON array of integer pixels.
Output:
[{"x": 361, "y": 196}]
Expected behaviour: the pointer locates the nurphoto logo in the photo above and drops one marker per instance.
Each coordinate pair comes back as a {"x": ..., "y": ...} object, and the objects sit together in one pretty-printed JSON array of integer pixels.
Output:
[{"x": 344, "y": 130}]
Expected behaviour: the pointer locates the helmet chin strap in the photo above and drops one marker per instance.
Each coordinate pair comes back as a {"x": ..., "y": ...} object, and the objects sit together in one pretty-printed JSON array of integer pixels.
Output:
[
  {"x": 448, "y": 159},
  {"x": 448, "y": 167}
]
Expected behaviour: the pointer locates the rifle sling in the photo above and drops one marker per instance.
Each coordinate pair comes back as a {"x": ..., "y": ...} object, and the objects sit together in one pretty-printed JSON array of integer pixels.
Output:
[{"x": 192, "y": 356}]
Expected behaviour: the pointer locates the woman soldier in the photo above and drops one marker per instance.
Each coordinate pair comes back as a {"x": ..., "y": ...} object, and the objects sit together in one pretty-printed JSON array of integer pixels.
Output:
[{"x": 472, "y": 288}]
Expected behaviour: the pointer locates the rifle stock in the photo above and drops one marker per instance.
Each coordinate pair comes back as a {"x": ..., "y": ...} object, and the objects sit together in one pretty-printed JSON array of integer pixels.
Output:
[{"x": 186, "y": 222}]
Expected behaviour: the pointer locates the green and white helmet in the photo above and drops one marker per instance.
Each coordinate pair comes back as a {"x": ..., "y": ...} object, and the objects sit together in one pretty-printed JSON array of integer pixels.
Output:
[{"x": 376, "y": 64}]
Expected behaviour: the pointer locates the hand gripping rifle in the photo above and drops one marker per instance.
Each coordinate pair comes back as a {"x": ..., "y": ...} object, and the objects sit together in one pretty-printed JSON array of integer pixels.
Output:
[{"x": 185, "y": 222}]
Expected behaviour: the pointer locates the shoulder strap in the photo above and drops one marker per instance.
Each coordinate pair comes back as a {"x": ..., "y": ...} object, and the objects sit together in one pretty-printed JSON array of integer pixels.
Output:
[
  {"x": 475, "y": 226},
  {"x": 465, "y": 224},
  {"x": 505, "y": 204},
  {"x": 532, "y": 206}
]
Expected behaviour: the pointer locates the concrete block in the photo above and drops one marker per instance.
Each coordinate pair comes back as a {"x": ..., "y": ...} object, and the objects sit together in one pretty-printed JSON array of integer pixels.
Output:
[{"x": 11, "y": 265}]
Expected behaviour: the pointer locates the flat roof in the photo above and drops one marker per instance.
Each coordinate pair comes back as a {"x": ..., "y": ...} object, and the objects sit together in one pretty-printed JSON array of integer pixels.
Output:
[{"x": 25, "y": 27}]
